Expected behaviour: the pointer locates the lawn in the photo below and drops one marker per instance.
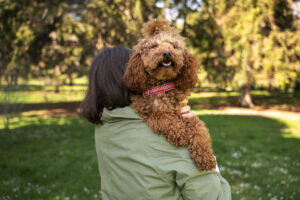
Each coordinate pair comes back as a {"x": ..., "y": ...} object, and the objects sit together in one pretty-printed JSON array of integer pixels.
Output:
[
  {"x": 53, "y": 158},
  {"x": 278, "y": 100},
  {"x": 32, "y": 94},
  {"x": 48, "y": 159}
]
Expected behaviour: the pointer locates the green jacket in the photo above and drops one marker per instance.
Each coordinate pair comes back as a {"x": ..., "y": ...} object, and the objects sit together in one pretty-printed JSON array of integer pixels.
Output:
[{"x": 137, "y": 164}]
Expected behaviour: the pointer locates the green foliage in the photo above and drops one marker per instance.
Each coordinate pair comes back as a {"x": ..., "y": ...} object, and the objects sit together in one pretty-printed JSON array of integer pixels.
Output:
[
  {"x": 243, "y": 42},
  {"x": 237, "y": 42},
  {"x": 261, "y": 39},
  {"x": 59, "y": 39}
]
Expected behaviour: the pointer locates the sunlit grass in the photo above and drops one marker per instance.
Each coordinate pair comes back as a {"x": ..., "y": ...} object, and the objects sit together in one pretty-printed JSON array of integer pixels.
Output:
[
  {"x": 19, "y": 121},
  {"x": 34, "y": 91},
  {"x": 292, "y": 130},
  {"x": 48, "y": 81},
  {"x": 47, "y": 95},
  {"x": 229, "y": 93}
]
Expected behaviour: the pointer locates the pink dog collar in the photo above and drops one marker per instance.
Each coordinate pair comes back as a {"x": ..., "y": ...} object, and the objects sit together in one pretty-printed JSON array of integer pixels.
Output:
[{"x": 161, "y": 88}]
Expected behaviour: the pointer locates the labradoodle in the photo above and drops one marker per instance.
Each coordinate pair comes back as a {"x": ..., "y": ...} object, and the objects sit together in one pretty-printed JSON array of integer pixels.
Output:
[{"x": 160, "y": 72}]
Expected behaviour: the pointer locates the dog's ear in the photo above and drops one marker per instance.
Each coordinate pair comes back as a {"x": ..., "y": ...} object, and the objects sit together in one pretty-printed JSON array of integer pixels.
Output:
[
  {"x": 188, "y": 76},
  {"x": 135, "y": 77},
  {"x": 156, "y": 26}
]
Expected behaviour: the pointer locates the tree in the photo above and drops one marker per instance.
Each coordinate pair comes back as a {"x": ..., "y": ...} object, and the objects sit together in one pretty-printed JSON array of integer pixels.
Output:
[
  {"x": 261, "y": 40},
  {"x": 59, "y": 38},
  {"x": 203, "y": 36}
]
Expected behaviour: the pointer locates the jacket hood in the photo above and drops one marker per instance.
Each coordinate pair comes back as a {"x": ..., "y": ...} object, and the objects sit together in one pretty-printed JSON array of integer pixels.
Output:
[{"x": 119, "y": 114}]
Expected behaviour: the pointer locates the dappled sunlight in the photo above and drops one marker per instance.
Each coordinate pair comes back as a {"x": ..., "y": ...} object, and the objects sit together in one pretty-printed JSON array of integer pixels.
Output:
[
  {"x": 31, "y": 97},
  {"x": 291, "y": 133},
  {"x": 225, "y": 94},
  {"x": 42, "y": 117},
  {"x": 212, "y": 94},
  {"x": 293, "y": 129}
]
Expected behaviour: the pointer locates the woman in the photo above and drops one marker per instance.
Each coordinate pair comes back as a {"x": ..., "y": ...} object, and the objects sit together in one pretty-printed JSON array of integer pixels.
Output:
[{"x": 134, "y": 162}]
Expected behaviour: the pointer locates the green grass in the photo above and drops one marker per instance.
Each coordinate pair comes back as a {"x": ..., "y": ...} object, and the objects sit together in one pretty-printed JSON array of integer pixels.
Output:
[
  {"x": 48, "y": 158},
  {"x": 54, "y": 158},
  {"x": 260, "y": 98},
  {"x": 31, "y": 94},
  {"x": 260, "y": 157}
]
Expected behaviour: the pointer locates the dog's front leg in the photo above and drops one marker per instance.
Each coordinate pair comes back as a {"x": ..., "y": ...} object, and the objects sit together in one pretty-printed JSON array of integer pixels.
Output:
[
  {"x": 199, "y": 144},
  {"x": 170, "y": 126}
]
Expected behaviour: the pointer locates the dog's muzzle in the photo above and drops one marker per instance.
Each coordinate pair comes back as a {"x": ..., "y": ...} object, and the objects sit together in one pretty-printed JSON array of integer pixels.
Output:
[{"x": 166, "y": 59}]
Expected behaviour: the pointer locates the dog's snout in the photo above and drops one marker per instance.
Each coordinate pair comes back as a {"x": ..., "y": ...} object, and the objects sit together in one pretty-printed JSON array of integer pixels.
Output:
[{"x": 167, "y": 55}]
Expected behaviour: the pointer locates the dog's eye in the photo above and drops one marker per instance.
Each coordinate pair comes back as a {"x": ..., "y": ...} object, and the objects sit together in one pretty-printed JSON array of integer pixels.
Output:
[
  {"x": 175, "y": 46},
  {"x": 154, "y": 46}
]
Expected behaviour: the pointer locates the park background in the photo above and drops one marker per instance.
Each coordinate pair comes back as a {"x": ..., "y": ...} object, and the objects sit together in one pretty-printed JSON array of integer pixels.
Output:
[{"x": 248, "y": 92}]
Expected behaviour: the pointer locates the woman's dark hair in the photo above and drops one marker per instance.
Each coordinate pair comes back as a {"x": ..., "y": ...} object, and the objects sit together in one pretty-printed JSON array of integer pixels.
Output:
[{"x": 106, "y": 87}]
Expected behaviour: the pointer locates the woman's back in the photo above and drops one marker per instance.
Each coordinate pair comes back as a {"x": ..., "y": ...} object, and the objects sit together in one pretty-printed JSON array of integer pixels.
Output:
[{"x": 135, "y": 163}]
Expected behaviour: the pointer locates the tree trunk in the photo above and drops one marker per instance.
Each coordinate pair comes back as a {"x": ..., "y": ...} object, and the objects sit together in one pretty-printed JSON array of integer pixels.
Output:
[
  {"x": 56, "y": 90},
  {"x": 271, "y": 77},
  {"x": 297, "y": 83},
  {"x": 56, "y": 78},
  {"x": 245, "y": 99},
  {"x": 6, "y": 122},
  {"x": 70, "y": 79},
  {"x": 184, "y": 10}
]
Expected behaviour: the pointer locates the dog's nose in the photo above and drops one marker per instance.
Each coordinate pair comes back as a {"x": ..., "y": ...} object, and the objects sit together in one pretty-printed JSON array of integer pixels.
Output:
[{"x": 167, "y": 55}]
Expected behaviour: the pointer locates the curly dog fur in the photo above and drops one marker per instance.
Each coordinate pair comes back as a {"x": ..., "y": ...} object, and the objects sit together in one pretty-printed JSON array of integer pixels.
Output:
[{"x": 160, "y": 57}]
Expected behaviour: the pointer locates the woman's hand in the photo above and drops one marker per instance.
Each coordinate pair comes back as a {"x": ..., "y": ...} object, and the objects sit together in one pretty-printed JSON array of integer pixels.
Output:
[{"x": 186, "y": 112}]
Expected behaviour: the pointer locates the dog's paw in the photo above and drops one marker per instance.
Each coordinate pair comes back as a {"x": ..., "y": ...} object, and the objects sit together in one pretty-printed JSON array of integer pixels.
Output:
[{"x": 205, "y": 163}]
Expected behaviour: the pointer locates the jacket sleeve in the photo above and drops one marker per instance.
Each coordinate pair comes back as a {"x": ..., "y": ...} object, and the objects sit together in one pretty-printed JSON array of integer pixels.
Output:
[
  {"x": 226, "y": 193},
  {"x": 195, "y": 184},
  {"x": 176, "y": 166}
]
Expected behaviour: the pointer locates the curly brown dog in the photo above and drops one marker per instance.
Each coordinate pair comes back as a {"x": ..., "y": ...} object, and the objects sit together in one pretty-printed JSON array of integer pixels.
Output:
[{"x": 160, "y": 58}]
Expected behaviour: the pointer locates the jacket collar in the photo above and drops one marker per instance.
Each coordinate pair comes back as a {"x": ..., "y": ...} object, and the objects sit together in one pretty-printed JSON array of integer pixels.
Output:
[{"x": 118, "y": 114}]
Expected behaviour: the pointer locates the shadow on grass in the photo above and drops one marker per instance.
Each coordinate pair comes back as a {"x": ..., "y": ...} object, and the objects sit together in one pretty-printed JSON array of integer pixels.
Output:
[
  {"x": 67, "y": 106},
  {"x": 35, "y": 88},
  {"x": 54, "y": 158},
  {"x": 23, "y": 88},
  {"x": 289, "y": 101},
  {"x": 213, "y": 102}
]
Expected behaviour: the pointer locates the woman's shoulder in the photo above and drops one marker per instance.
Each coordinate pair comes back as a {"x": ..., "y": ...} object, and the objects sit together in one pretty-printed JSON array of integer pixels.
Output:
[
  {"x": 123, "y": 125},
  {"x": 120, "y": 113}
]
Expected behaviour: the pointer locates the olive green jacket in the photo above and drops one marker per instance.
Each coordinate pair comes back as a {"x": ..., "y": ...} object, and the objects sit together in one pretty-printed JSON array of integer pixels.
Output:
[{"x": 137, "y": 164}]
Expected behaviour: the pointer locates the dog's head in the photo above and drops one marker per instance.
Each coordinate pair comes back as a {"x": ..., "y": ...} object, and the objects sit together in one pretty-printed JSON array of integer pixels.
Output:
[{"x": 159, "y": 57}]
